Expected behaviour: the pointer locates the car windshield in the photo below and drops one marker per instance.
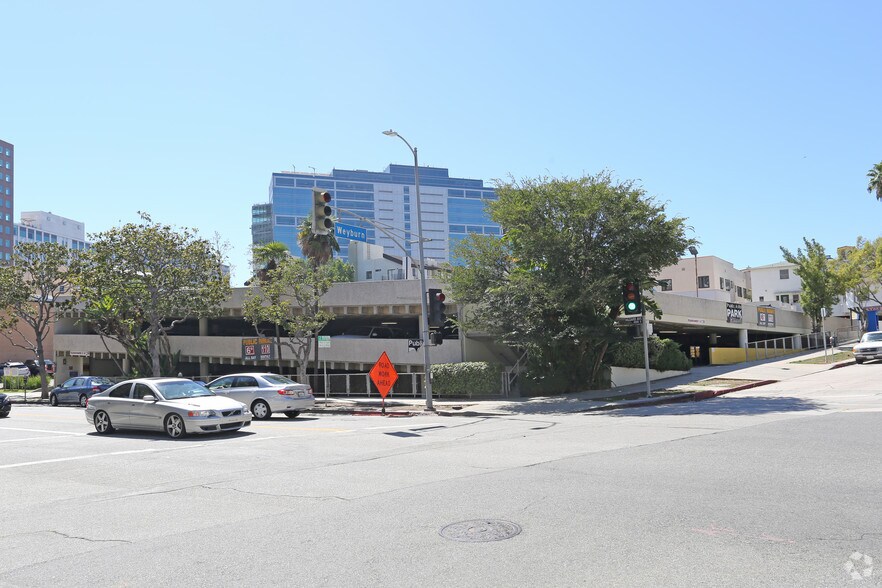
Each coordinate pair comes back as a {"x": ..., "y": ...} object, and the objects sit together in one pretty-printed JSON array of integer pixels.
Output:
[
  {"x": 872, "y": 337},
  {"x": 180, "y": 389},
  {"x": 280, "y": 380}
]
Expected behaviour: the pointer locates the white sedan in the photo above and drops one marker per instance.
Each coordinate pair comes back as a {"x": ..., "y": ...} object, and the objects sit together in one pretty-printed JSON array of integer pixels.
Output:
[
  {"x": 175, "y": 405},
  {"x": 265, "y": 393}
]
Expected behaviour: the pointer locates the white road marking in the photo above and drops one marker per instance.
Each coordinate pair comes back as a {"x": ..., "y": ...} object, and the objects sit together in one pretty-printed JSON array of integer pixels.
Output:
[
  {"x": 92, "y": 456},
  {"x": 40, "y": 431},
  {"x": 34, "y": 438}
]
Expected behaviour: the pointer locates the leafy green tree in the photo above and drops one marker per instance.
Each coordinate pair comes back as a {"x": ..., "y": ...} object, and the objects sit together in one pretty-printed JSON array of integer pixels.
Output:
[
  {"x": 319, "y": 250},
  {"x": 552, "y": 284},
  {"x": 820, "y": 286},
  {"x": 340, "y": 271},
  {"x": 859, "y": 272},
  {"x": 138, "y": 281},
  {"x": 34, "y": 290},
  {"x": 289, "y": 297},
  {"x": 874, "y": 183}
]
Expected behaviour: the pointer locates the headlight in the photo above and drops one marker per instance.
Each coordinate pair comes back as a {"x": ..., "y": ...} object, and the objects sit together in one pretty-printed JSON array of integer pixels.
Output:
[{"x": 201, "y": 413}]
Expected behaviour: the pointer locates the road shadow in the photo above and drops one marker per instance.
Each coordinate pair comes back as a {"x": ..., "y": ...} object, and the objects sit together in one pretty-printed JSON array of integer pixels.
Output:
[
  {"x": 160, "y": 436},
  {"x": 723, "y": 405}
]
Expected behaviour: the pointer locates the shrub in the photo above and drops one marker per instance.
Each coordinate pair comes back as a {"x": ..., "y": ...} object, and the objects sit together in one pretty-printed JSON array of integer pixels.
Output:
[
  {"x": 21, "y": 382},
  {"x": 476, "y": 378},
  {"x": 664, "y": 355}
]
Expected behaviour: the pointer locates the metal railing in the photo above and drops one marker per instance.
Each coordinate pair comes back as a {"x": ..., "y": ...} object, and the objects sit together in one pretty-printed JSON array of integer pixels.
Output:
[{"x": 776, "y": 347}]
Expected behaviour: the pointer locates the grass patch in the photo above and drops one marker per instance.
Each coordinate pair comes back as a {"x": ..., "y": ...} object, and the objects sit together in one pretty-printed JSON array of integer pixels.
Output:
[
  {"x": 719, "y": 383},
  {"x": 838, "y": 356}
]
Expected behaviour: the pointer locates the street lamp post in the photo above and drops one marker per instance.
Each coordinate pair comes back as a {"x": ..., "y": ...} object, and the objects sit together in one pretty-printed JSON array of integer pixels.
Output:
[
  {"x": 424, "y": 321},
  {"x": 694, "y": 253}
]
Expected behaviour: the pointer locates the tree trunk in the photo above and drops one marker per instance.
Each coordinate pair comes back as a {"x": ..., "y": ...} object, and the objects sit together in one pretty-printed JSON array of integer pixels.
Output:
[{"x": 41, "y": 363}]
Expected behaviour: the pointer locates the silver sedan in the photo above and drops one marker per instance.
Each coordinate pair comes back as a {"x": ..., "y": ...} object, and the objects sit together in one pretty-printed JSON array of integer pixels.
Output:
[
  {"x": 175, "y": 405},
  {"x": 265, "y": 393}
]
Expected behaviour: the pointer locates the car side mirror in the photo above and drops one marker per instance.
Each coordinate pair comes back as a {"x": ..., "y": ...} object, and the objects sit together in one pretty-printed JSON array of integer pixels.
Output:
[{"x": 149, "y": 398}]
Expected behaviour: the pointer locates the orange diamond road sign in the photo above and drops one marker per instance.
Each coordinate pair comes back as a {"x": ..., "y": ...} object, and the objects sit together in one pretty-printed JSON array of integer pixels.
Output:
[{"x": 383, "y": 374}]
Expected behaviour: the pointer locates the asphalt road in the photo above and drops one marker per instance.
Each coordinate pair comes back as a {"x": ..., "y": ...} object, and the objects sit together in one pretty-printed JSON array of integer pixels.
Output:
[{"x": 774, "y": 486}]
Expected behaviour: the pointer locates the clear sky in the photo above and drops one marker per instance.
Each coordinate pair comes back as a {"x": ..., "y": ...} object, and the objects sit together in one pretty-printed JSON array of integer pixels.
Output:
[{"x": 756, "y": 120}]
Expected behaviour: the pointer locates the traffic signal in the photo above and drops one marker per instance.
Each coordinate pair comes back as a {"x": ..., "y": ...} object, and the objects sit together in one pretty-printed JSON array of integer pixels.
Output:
[
  {"x": 321, "y": 212},
  {"x": 631, "y": 298},
  {"x": 437, "y": 317}
]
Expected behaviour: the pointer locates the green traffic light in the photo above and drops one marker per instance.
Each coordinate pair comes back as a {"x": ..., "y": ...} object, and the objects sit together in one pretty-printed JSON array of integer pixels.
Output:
[{"x": 631, "y": 306}]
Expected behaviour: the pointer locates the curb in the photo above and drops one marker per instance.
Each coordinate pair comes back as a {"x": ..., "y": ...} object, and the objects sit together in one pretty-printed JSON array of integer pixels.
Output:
[{"x": 678, "y": 398}]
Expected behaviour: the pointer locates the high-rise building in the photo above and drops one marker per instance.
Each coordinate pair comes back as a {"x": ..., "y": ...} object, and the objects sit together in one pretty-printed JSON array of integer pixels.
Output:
[
  {"x": 7, "y": 200},
  {"x": 38, "y": 226},
  {"x": 451, "y": 208}
]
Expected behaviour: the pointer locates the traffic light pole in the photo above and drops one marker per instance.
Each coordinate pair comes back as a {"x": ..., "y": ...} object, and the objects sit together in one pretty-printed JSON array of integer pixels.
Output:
[{"x": 645, "y": 328}]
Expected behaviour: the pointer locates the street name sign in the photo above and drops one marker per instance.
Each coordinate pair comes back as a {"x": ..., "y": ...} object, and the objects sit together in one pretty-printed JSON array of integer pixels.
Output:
[{"x": 350, "y": 232}]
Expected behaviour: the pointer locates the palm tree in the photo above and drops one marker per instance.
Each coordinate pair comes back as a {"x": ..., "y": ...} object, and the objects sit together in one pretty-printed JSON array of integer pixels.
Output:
[
  {"x": 319, "y": 249},
  {"x": 875, "y": 183},
  {"x": 265, "y": 259},
  {"x": 267, "y": 256}
]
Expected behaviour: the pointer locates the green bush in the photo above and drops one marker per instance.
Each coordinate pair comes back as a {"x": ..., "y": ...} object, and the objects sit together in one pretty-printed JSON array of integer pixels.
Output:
[
  {"x": 21, "y": 382},
  {"x": 664, "y": 355},
  {"x": 476, "y": 378}
]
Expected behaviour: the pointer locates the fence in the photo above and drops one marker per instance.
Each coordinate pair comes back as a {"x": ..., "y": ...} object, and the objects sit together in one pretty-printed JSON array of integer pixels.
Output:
[{"x": 771, "y": 348}]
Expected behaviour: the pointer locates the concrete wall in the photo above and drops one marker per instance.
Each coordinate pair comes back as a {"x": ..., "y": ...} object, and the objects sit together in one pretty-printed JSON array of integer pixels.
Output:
[{"x": 626, "y": 376}]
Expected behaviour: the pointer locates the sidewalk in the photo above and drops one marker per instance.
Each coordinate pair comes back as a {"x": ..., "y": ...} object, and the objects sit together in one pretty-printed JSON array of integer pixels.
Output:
[{"x": 701, "y": 383}]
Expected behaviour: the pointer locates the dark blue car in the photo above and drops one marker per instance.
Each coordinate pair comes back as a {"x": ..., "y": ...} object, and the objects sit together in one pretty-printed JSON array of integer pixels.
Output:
[
  {"x": 5, "y": 406},
  {"x": 78, "y": 390}
]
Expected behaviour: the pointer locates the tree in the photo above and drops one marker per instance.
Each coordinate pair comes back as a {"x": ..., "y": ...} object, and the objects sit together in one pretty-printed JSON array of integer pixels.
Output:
[
  {"x": 552, "y": 284},
  {"x": 820, "y": 286},
  {"x": 859, "y": 272},
  {"x": 289, "y": 297},
  {"x": 266, "y": 258},
  {"x": 140, "y": 280},
  {"x": 319, "y": 250},
  {"x": 34, "y": 290},
  {"x": 874, "y": 185}
]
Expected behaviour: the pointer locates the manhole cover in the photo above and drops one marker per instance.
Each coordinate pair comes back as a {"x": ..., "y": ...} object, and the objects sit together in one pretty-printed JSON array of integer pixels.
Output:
[{"x": 480, "y": 530}]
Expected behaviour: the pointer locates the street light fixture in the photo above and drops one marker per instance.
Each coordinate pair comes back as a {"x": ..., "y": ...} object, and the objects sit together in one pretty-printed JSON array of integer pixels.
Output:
[
  {"x": 424, "y": 321},
  {"x": 694, "y": 252}
]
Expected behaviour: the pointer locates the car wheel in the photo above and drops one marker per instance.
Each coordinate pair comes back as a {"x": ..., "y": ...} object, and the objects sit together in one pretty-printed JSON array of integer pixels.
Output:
[
  {"x": 102, "y": 423},
  {"x": 261, "y": 410},
  {"x": 53, "y": 400},
  {"x": 856, "y": 360},
  {"x": 174, "y": 426},
  {"x": 84, "y": 400},
  {"x": 292, "y": 414}
]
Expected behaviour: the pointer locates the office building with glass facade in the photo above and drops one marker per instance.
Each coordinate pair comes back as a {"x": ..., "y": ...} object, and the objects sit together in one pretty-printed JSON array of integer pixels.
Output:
[
  {"x": 7, "y": 200},
  {"x": 451, "y": 208}
]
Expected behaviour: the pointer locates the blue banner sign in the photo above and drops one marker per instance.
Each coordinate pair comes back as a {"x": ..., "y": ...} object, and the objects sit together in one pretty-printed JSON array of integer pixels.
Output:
[{"x": 350, "y": 232}]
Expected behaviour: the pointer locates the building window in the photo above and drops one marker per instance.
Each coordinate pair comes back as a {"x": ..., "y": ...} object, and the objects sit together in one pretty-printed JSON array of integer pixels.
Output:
[
  {"x": 784, "y": 274},
  {"x": 666, "y": 285},
  {"x": 704, "y": 281},
  {"x": 762, "y": 298},
  {"x": 785, "y": 298},
  {"x": 369, "y": 275},
  {"x": 795, "y": 298},
  {"x": 739, "y": 291}
]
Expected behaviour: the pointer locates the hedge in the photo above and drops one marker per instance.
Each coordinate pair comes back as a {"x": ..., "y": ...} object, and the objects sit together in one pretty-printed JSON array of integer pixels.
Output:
[{"x": 467, "y": 379}]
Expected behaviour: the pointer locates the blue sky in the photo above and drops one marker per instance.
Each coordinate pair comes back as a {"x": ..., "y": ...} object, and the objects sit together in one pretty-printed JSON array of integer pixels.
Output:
[{"x": 756, "y": 120}]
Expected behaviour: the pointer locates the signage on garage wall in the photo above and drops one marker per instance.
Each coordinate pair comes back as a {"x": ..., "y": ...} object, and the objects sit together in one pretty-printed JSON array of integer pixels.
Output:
[
  {"x": 734, "y": 312},
  {"x": 257, "y": 348},
  {"x": 765, "y": 316}
]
